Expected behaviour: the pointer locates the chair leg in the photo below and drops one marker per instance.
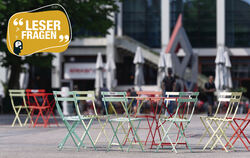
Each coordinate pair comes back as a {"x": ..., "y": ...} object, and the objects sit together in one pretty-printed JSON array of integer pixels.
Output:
[
  {"x": 28, "y": 116},
  {"x": 241, "y": 132},
  {"x": 44, "y": 120},
  {"x": 86, "y": 129},
  {"x": 71, "y": 129},
  {"x": 17, "y": 117},
  {"x": 182, "y": 131},
  {"x": 115, "y": 135},
  {"x": 102, "y": 130},
  {"x": 166, "y": 135},
  {"x": 215, "y": 134},
  {"x": 207, "y": 130},
  {"x": 150, "y": 130},
  {"x": 135, "y": 135},
  {"x": 222, "y": 130}
]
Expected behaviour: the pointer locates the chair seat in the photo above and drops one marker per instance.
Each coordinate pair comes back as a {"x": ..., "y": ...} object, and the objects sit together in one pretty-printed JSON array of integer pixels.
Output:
[
  {"x": 175, "y": 119},
  {"x": 219, "y": 118},
  {"x": 124, "y": 119},
  {"x": 39, "y": 107},
  {"x": 21, "y": 106},
  {"x": 243, "y": 119},
  {"x": 76, "y": 118}
]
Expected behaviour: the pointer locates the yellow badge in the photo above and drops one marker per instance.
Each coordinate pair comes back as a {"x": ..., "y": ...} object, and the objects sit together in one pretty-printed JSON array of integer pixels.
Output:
[{"x": 37, "y": 31}]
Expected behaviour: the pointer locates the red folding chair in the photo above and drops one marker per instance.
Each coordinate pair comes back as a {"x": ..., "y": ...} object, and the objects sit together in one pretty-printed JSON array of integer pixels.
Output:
[
  {"x": 49, "y": 101},
  {"x": 38, "y": 102},
  {"x": 143, "y": 97},
  {"x": 239, "y": 129}
]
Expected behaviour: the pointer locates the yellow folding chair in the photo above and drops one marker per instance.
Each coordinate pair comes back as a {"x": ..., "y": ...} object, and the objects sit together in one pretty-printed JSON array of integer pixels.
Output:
[
  {"x": 223, "y": 98},
  {"x": 221, "y": 123},
  {"x": 90, "y": 96},
  {"x": 14, "y": 96}
]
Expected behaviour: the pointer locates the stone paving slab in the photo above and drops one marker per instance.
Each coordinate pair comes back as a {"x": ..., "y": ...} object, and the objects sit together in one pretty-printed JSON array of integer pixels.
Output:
[{"x": 39, "y": 142}]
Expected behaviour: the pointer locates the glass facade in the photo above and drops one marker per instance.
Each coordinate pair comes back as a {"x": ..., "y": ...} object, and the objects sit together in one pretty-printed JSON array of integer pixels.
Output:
[
  {"x": 142, "y": 21},
  {"x": 237, "y": 23},
  {"x": 199, "y": 20}
]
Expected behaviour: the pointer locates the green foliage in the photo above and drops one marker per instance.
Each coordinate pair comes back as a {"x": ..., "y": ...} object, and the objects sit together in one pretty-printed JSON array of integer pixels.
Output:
[
  {"x": 240, "y": 89},
  {"x": 87, "y": 15}
]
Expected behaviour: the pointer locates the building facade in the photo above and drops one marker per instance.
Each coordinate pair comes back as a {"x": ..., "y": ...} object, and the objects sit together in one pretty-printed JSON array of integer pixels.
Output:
[{"x": 149, "y": 24}]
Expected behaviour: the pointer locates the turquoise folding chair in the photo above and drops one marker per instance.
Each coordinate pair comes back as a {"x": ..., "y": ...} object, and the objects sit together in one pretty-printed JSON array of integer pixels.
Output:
[
  {"x": 71, "y": 122},
  {"x": 90, "y": 96},
  {"x": 120, "y": 97},
  {"x": 181, "y": 118}
]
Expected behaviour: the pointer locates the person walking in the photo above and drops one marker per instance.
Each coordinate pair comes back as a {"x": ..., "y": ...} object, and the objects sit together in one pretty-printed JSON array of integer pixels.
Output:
[{"x": 210, "y": 89}]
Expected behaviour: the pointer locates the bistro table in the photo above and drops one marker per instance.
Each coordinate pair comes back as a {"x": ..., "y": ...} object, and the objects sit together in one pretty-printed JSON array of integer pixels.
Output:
[{"x": 157, "y": 111}]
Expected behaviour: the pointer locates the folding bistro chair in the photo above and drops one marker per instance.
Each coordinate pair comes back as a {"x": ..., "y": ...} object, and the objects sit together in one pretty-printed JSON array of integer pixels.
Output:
[
  {"x": 181, "y": 118},
  {"x": 38, "y": 102},
  {"x": 120, "y": 97},
  {"x": 223, "y": 98},
  {"x": 143, "y": 98},
  {"x": 170, "y": 97},
  {"x": 14, "y": 95},
  {"x": 49, "y": 101},
  {"x": 222, "y": 123},
  {"x": 71, "y": 122},
  {"x": 239, "y": 129},
  {"x": 90, "y": 96}
]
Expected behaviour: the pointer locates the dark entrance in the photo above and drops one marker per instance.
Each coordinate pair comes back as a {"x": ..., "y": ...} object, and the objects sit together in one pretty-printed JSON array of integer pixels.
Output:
[{"x": 84, "y": 84}]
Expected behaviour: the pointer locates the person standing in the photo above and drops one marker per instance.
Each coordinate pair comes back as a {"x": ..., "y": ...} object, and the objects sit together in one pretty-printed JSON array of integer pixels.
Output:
[
  {"x": 134, "y": 103},
  {"x": 210, "y": 89},
  {"x": 168, "y": 82},
  {"x": 168, "y": 85}
]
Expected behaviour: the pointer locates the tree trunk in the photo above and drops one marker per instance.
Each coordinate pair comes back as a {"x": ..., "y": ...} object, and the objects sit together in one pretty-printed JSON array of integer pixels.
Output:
[{"x": 14, "y": 77}]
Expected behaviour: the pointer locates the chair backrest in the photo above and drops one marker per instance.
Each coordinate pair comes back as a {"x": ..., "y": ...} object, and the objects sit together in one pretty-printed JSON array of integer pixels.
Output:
[
  {"x": 171, "y": 96},
  {"x": 61, "y": 96},
  {"x": 17, "y": 93},
  {"x": 185, "y": 101},
  {"x": 86, "y": 96},
  {"x": 152, "y": 93},
  {"x": 223, "y": 97},
  {"x": 36, "y": 97},
  {"x": 118, "y": 97},
  {"x": 35, "y": 90},
  {"x": 233, "y": 105}
]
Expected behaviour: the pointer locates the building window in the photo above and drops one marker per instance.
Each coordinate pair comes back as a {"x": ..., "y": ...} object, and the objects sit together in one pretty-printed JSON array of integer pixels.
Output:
[
  {"x": 199, "y": 20},
  {"x": 142, "y": 21},
  {"x": 237, "y": 23}
]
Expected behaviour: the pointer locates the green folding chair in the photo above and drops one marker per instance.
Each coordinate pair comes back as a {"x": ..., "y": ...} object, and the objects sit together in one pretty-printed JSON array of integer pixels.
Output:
[
  {"x": 90, "y": 96},
  {"x": 180, "y": 119},
  {"x": 221, "y": 124},
  {"x": 120, "y": 97},
  {"x": 71, "y": 122},
  {"x": 14, "y": 95}
]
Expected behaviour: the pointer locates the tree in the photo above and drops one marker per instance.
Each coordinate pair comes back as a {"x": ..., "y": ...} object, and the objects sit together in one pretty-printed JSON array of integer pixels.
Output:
[{"x": 85, "y": 15}]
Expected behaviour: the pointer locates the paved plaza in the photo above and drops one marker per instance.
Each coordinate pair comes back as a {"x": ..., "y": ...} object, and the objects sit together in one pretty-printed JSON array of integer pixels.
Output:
[{"x": 39, "y": 142}]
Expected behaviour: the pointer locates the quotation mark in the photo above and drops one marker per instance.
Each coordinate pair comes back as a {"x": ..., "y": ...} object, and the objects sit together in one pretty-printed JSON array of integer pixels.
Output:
[
  {"x": 66, "y": 37},
  {"x": 20, "y": 22}
]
